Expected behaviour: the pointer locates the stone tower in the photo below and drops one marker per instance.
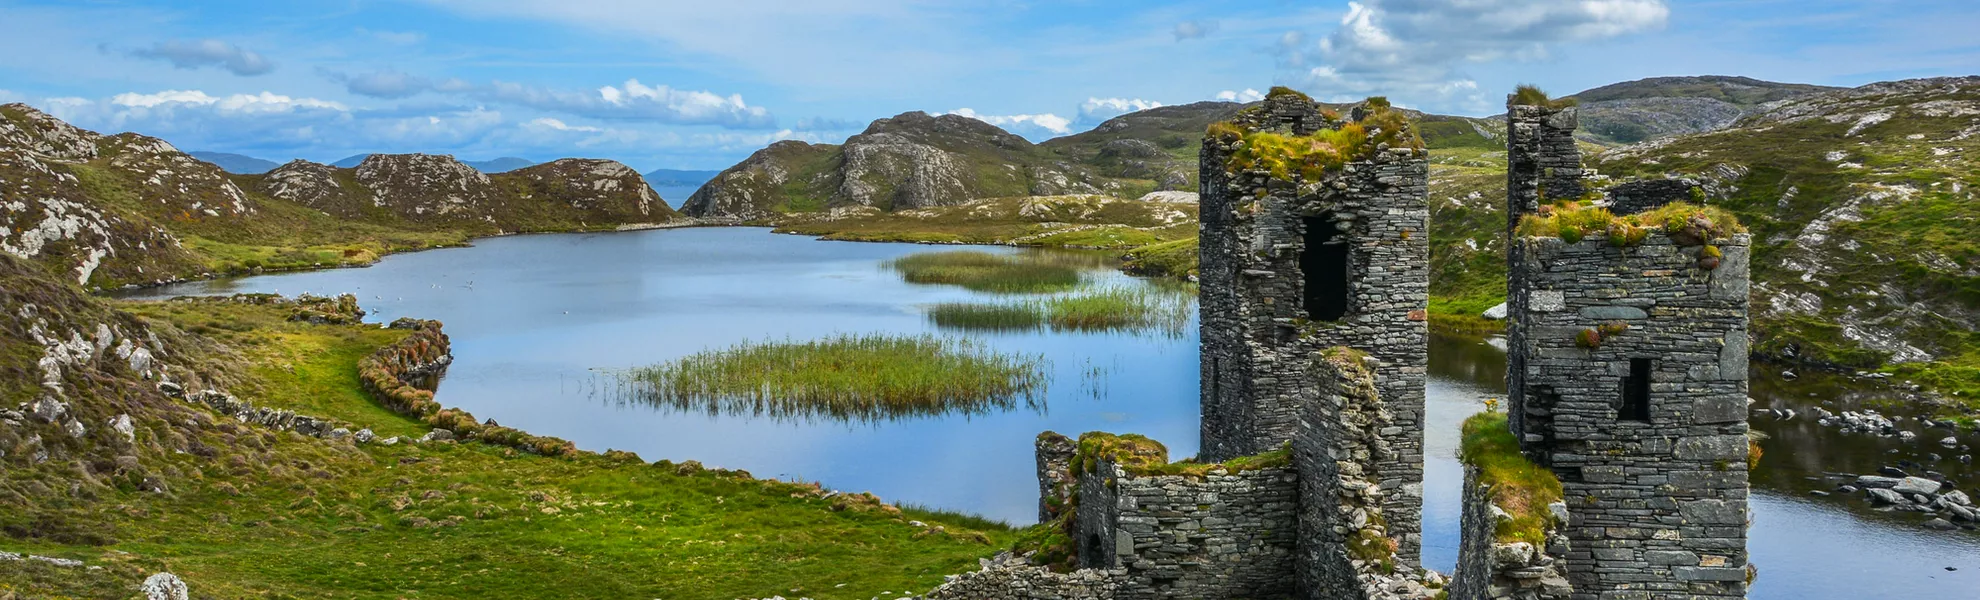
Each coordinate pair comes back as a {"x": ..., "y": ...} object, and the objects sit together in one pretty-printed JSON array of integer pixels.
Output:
[
  {"x": 1628, "y": 379},
  {"x": 1292, "y": 266}
]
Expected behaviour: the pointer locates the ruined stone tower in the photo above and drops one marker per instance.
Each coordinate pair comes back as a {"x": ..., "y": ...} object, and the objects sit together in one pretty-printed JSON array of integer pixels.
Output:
[
  {"x": 1628, "y": 379},
  {"x": 1295, "y": 261}
]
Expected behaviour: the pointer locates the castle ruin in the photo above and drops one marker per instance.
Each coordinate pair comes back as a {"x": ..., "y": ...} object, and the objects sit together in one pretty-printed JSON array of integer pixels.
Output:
[{"x": 1627, "y": 382}]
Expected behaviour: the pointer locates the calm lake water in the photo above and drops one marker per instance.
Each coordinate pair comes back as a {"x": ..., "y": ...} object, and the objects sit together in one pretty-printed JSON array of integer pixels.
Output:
[{"x": 538, "y": 321}]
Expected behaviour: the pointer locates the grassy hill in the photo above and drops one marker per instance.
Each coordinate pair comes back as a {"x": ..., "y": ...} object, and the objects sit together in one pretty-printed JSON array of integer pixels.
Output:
[{"x": 130, "y": 209}]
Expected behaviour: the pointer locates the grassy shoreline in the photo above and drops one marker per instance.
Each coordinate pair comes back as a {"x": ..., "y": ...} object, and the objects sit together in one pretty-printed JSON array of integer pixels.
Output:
[{"x": 254, "y": 512}]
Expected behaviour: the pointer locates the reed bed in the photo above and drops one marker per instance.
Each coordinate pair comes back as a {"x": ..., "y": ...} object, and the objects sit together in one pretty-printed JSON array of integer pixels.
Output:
[
  {"x": 1109, "y": 309},
  {"x": 869, "y": 377},
  {"x": 984, "y": 316},
  {"x": 1021, "y": 273}
]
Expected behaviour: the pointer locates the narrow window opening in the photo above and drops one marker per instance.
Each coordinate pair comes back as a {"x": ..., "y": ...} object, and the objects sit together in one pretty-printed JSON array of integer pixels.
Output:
[
  {"x": 1325, "y": 264},
  {"x": 1636, "y": 392}
]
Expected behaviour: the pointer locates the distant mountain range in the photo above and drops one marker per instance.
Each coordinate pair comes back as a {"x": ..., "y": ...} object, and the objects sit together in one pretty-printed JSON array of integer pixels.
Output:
[{"x": 237, "y": 163}]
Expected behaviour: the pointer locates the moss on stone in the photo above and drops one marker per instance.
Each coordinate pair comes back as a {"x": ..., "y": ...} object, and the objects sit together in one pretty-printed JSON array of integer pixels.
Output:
[
  {"x": 1326, "y": 150},
  {"x": 1528, "y": 95},
  {"x": 1686, "y": 223},
  {"x": 1516, "y": 485}
]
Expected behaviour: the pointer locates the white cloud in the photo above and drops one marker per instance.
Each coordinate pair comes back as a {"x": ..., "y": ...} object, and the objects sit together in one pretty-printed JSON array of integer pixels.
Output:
[
  {"x": 1248, "y": 95},
  {"x": 554, "y": 124},
  {"x": 1189, "y": 30},
  {"x": 1417, "y": 48},
  {"x": 1033, "y": 127},
  {"x": 636, "y": 101},
  {"x": 1096, "y": 110},
  {"x": 264, "y": 102},
  {"x": 193, "y": 54}
]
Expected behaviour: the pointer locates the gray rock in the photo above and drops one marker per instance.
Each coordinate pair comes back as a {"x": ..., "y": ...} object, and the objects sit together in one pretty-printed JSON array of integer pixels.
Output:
[
  {"x": 364, "y": 436},
  {"x": 1916, "y": 485},
  {"x": 163, "y": 586},
  {"x": 1874, "y": 481},
  {"x": 1940, "y": 524},
  {"x": 122, "y": 425},
  {"x": 1949, "y": 442},
  {"x": 47, "y": 410},
  {"x": 4, "y": 555},
  {"x": 437, "y": 435},
  {"x": 69, "y": 563},
  {"x": 1496, "y": 313},
  {"x": 1513, "y": 555},
  {"x": 1887, "y": 497},
  {"x": 1958, "y": 497},
  {"x": 339, "y": 433},
  {"x": 1559, "y": 510}
]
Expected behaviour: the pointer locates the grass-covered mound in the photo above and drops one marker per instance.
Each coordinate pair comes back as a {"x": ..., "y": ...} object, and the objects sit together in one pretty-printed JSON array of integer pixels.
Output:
[
  {"x": 852, "y": 377},
  {"x": 1026, "y": 273},
  {"x": 1517, "y": 485},
  {"x": 1178, "y": 259}
]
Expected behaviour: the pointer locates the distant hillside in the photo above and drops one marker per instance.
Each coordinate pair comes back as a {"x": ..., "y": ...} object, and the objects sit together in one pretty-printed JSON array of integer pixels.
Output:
[
  {"x": 106, "y": 211},
  {"x": 678, "y": 178},
  {"x": 236, "y": 163},
  {"x": 1646, "y": 109},
  {"x": 499, "y": 165},
  {"x": 911, "y": 160}
]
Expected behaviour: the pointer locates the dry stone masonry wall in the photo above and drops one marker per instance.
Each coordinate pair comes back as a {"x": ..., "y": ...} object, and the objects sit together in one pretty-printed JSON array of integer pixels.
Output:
[
  {"x": 1627, "y": 377},
  {"x": 1292, "y": 267},
  {"x": 1489, "y": 569}
]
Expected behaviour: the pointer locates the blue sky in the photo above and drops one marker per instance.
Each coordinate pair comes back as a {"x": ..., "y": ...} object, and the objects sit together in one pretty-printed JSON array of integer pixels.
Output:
[{"x": 699, "y": 85}]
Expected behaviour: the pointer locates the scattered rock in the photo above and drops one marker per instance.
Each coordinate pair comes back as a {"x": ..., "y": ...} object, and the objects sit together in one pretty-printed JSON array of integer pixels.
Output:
[
  {"x": 1496, "y": 313},
  {"x": 364, "y": 436},
  {"x": 122, "y": 425},
  {"x": 1886, "y": 497},
  {"x": 163, "y": 586},
  {"x": 69, "y": 563},
  {"x": 437, "y": 435},
  {"x": 1940, "y": 525},
  {"x": 339, "y": 433}
]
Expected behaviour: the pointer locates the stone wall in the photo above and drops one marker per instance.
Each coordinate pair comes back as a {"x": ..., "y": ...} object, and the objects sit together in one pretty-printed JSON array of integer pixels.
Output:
[
  {"x": 1543, "y": 165},
  {"x": 1008, "y": 577},
  {"x": 1258, "y": 336},
  {"x": 1055, "y": 483},
  {"x": 1219, "y": 535},
  {"x": 1540, "y": 158},
  {"x": 1490, "y": 570},
  {"x": 1657, "y": 499},
  {"x": 1346, "y": 548},
  {"x": 1633, "y": 197}
]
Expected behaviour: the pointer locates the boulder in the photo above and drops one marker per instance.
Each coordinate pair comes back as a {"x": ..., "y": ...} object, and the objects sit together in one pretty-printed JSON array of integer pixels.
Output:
[
  {"x": 1940, "y": 524},
  {"x": 1958, "y": 497},
  {"x": 437, "y": 435},
  {"x": 1496, "y": 313},
  {"x": 163, "y": 586},
  {"x": 122, "y": 425},
  {"x": 364, "y": 436},
  {"x": 1916, "y": 485},
  {"x": 1512, "y": 556}
]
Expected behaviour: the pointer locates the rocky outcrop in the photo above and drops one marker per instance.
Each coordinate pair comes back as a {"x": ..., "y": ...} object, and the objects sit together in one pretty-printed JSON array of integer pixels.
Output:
[
  {"x": 756, "y": 187},
  {"x": 427, "y": 187},
  {"x": 315, "y": 185},
  {"x": 24, "y": 128},
  {"x": 46, "y": 218},
  {"x": 601, "y": 191}
]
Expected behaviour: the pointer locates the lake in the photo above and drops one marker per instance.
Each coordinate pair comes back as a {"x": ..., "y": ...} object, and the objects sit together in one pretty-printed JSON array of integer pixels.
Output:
[{"x": 539, "y": 323}]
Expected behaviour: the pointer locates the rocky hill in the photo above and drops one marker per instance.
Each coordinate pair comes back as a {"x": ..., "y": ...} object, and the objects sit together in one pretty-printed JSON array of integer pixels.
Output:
[
  {"x": 131, "y": 209},
  {"x": 1862, "y": 204},
  {"x": 1645, "y": 109},
  {"x": 908, "y": 161}
]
